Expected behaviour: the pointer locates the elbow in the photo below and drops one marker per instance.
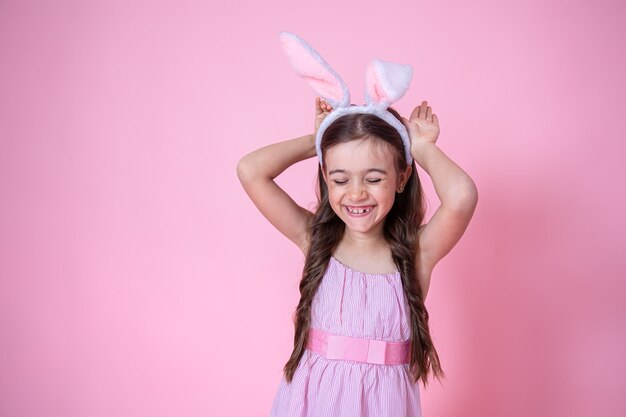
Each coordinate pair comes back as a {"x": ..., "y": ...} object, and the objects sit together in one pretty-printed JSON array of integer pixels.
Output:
[
  {"x": 243, "y": 169},
  {"x": 466, "y": 196}
]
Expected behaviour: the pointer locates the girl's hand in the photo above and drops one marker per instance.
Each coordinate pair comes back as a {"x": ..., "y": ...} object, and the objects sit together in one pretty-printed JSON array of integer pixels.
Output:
[
  {"x": 322, "y": 109},
  {"x": 423, "y": 126}
]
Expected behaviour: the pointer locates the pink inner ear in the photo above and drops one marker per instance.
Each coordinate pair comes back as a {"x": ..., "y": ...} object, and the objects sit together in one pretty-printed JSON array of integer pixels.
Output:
[
  {"x": 387, "y": 81},
  {"x": 314, "y": 71},
  {"x": 374, "y": 85}
]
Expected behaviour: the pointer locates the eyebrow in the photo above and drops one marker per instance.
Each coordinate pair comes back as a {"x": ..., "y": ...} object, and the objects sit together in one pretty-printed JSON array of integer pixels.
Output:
[{"x": 343, "y": 171}]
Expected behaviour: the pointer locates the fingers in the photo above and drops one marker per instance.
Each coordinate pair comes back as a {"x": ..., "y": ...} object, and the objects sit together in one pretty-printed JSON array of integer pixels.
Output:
[
  {"x": 415, "y": 113},
  {"x": 325, "y": 106},
  {"x": 320, "y": 105},
  {"x": 318, "y": 108},
  {"x": 424, "y": 111},
  {"x": 322, "y": 108}
]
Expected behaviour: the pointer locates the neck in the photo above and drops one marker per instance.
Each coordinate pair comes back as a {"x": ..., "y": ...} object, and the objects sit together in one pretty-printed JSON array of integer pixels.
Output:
[{"x": 371, "y": 240}]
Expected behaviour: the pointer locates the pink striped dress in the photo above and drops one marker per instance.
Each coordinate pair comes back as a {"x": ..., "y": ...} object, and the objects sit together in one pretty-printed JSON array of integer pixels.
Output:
[{"x": 358, "y": 304}]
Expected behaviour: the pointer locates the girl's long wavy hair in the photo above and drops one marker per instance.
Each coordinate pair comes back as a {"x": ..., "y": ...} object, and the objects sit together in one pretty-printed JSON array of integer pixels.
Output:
[{"x": 400, "y": 231}]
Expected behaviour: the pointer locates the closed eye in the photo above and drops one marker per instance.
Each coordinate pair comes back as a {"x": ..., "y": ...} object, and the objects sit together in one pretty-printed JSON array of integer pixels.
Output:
[{"x": 374, "y": 181}]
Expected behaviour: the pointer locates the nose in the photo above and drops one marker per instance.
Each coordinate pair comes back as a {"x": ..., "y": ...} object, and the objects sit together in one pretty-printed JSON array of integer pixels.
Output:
[{"x": 357, "y": 191}]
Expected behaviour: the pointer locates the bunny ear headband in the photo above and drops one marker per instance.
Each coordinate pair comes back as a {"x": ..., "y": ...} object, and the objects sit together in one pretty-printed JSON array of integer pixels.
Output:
[{"x": 385, "y": 83}]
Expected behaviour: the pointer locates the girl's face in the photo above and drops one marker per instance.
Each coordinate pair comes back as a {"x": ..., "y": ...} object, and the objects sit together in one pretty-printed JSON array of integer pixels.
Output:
[{"x": 362, "y": 182}]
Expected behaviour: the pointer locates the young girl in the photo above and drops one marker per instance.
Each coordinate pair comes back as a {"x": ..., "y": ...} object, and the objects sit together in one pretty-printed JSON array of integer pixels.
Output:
[{"x": 362, "y": 339}]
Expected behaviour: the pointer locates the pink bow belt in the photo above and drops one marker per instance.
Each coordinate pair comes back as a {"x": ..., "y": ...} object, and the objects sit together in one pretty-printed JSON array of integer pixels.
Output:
[{"x": 358, "y": 349}]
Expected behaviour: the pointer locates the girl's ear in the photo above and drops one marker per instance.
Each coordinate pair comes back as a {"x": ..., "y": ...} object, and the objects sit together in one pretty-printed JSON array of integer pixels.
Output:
[
  {"x": 325, "y": 177},
  {"x": 404, "y": 176}
]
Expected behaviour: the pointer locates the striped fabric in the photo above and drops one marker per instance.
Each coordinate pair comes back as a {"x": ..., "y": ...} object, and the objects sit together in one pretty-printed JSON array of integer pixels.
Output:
[{"x": 353, "y": 303}]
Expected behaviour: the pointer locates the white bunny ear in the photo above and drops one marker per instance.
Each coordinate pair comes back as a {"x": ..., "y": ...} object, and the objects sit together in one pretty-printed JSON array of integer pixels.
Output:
[
  {"x": 312, "y": 67},
  {"x": 386, "y": 82}
]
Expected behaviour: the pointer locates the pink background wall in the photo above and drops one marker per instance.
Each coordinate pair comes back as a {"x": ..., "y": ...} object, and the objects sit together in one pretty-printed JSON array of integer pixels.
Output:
[{"x": 137, "y": 279}]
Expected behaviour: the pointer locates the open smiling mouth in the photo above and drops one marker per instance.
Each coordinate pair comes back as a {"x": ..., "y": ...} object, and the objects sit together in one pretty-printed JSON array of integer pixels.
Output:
[{"x": 362, "y": 210}]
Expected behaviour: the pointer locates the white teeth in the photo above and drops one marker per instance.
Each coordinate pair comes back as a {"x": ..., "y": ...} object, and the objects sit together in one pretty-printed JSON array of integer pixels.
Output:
[{"x": 358, "y": 211}]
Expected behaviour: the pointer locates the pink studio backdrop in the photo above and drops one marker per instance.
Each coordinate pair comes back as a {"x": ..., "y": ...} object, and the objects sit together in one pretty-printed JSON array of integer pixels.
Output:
[{"x": 137, "y": 279}]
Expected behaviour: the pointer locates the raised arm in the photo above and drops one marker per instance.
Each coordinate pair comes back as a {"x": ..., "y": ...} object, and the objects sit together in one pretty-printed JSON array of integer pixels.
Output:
[
  {"x": 257, "y": 171},
  {"x": 455, "y": 189}
]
